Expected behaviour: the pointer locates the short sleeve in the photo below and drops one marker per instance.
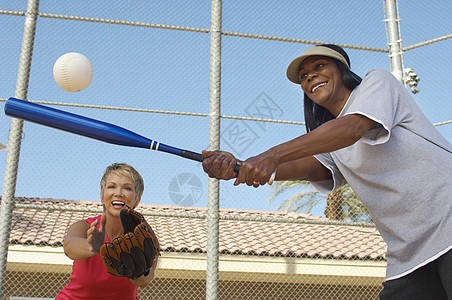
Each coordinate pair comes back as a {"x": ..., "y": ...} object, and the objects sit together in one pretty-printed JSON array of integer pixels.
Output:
[
  {"x": 376, "y": 98},
  {"x": 327, "y": 186}
]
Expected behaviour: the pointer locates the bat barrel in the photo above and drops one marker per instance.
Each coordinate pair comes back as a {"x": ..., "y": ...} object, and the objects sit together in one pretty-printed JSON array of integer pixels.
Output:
[
  {"x": 73, "y": 123},
  {"x": 88, "y": 127}
]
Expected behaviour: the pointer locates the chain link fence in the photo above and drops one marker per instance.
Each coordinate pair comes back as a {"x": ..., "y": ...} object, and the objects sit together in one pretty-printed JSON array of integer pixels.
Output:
[{"x": 153, "y": 74}]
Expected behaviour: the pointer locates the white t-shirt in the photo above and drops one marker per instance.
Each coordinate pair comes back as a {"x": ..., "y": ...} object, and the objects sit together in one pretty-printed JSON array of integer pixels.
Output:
[{"x": 400, "y": 170}]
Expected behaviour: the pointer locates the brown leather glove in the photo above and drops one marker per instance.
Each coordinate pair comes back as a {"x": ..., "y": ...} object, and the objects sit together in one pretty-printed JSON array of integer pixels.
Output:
[{"x": 131, "y": 255}]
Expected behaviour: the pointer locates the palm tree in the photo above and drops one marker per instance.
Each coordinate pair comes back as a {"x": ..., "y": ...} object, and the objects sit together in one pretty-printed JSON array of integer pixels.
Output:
[{"x": 342, "y": 204}]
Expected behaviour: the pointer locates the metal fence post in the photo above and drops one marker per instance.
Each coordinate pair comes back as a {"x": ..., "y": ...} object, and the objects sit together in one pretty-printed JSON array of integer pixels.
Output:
[
  {"x": 212, "y": 272},
  {"x": 15, "y": 137},
  {"x": 394, "y": 41}
]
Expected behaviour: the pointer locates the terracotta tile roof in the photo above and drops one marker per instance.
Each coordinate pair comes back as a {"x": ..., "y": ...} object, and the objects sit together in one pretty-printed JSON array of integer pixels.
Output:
[{"x": 42, "y": 222}]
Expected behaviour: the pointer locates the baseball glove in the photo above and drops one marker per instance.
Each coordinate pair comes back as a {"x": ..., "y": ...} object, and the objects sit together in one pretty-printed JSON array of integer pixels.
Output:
[{"x": 131, "y": 255}]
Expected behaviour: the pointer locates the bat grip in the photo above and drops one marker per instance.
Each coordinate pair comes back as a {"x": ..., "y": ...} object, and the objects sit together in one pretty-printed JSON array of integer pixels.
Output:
[
  {"x": 198, "y": 157},
  {"x": 192, "y": 155}
]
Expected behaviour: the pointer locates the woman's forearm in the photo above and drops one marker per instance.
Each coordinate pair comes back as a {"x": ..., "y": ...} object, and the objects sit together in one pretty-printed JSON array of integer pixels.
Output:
[
  {"x": 333, "y": 135},
  {"x": 77, "y": 248}
]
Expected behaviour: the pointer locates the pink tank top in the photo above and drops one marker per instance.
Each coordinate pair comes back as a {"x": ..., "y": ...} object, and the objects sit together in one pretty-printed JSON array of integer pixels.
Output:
[{"x": 90, "y": 281}]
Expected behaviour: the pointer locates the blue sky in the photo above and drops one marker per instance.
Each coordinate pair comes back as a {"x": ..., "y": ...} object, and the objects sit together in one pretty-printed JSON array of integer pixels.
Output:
[{"x": 159, "y": 69}]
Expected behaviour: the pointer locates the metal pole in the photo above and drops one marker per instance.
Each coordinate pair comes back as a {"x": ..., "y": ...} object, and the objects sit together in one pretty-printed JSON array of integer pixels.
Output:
[
  {"x": 15, "y": 137},
  {"x": 212, "y": 272},
  {"x": 394, "y": 43}
]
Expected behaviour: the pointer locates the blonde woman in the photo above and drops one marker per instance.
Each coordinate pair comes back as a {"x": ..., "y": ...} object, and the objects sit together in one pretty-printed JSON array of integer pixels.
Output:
[{"x": 121, "y": 186}]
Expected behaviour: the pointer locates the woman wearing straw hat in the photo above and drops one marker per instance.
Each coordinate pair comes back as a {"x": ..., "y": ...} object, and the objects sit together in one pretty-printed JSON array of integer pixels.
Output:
[{"x": 371, "y": 134}]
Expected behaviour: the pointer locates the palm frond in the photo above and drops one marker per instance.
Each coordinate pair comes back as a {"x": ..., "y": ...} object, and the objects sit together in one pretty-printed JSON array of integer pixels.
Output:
[{"x": 305, "y": 197}]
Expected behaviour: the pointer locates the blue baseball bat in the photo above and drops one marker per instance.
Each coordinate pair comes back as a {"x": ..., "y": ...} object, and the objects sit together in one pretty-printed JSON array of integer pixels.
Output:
[{"x": 91, "y": 128}]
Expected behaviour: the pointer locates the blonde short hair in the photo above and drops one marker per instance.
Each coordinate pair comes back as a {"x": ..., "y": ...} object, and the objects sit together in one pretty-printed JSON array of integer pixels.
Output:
[{"x": 127, "y": 170}]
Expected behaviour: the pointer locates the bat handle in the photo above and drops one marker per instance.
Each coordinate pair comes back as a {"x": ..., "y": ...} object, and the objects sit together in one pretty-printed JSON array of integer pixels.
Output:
[
  {"x": 198, "y": 157},
  {"x": 192, "y": 155}
]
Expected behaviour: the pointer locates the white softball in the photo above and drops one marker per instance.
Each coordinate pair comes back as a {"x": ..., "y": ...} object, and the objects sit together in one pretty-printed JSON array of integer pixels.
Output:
[{"x": 73, "y": 72}]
